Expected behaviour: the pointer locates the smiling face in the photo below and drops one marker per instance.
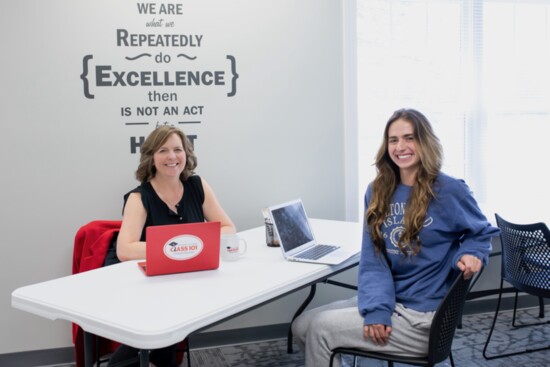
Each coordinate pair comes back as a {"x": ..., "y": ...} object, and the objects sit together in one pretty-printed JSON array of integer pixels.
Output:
[
  {"x": 169, "y": 160},
  {"x": 402, "y": 149}
]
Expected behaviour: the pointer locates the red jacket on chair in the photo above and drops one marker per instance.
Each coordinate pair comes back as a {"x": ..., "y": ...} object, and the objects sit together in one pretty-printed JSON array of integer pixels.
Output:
[
  {"x": 90, "y": 248},
  {"x": 91, "y": 244}
]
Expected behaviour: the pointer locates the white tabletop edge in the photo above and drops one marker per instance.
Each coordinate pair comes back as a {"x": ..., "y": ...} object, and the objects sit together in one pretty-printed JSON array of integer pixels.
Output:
[{"x": 23, "y": 299}]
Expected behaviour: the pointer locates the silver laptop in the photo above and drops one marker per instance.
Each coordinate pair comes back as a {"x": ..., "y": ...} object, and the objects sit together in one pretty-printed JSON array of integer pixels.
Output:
[{"x": 296, "y": 237}]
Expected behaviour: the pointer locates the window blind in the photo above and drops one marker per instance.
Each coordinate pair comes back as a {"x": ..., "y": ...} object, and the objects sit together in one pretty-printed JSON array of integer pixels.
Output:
[{"x": 478, "y": 69}]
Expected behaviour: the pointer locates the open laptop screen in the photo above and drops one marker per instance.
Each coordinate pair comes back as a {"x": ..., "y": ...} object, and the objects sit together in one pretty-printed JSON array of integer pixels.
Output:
[{"x": 292, "y": 225}]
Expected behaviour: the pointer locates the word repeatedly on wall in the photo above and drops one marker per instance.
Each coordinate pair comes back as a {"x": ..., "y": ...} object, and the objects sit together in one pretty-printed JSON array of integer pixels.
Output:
[{"x": 167, "y": 65}]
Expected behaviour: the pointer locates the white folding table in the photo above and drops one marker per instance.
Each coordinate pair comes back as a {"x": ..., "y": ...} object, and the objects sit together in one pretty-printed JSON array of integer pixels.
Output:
[{"x": 154, "y": 312}]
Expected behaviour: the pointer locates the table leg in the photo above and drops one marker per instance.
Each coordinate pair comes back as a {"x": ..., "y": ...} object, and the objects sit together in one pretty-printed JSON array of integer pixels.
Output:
[
  {"x": 88, "y": 349},
  {"x": 298, "y": 313},
  {"x": 144, "y": 358}
]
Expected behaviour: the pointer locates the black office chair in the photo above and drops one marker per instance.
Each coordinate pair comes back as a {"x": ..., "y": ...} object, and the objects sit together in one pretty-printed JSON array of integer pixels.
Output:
[
  {"x": 526, "y": 266},
  {"x": 442, "y": 331}
]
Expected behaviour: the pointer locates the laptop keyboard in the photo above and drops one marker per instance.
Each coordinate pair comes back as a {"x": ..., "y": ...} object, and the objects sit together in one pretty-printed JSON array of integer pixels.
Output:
[{"x": 317, "y": 252}]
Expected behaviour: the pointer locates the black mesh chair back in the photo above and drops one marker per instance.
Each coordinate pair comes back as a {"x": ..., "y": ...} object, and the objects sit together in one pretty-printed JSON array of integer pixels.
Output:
[
  {"x": 526, "y": 256},
  {"x": 446, "y": 319},
  {"x": 442, "y": 330},
  {"x": 526, "y": 266}
]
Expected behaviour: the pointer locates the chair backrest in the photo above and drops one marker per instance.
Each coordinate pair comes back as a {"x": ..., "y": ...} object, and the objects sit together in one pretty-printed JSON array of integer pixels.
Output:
[
  {"x": 526, "y": 256},
  {"x": 91, "y": 244},
  {"x": 446, "y": 319}
]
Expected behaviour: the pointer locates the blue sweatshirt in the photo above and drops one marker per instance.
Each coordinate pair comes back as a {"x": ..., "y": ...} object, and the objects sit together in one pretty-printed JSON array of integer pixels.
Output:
[{"x": 454, "y": 226}]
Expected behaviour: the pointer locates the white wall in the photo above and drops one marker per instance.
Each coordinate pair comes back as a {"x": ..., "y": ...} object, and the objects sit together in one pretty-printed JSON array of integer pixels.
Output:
[{"x": 66, "y": 159}]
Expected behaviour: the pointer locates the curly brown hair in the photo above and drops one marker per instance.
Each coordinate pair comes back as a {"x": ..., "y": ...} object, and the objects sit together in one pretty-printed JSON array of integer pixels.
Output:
[
  {"x": 431, "y": 156},
  {"x": 146, "y": 169}
]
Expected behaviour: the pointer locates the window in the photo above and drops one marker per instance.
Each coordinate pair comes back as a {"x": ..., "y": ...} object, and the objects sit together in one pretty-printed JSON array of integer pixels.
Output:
[{"x": 480, "y": 71}]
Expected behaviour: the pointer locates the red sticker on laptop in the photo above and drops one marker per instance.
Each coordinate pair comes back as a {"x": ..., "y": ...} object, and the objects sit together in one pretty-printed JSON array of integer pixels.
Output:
[{"x": 183, "y": 247}]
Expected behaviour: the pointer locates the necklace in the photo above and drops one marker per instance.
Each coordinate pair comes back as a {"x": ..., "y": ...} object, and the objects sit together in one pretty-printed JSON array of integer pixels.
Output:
[
  {"x": 170, "y": 198},
  {"x": 176, "y": 202}
]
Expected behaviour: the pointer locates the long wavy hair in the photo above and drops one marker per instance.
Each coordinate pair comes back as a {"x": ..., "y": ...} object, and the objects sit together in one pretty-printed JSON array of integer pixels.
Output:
[
  {"x": 430, "y": 152},
  {"x": 146, "y": 169}
]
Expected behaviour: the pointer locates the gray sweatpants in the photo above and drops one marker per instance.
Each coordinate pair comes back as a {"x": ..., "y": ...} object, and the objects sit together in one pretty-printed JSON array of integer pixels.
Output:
[{"x": 339, "y": 324}]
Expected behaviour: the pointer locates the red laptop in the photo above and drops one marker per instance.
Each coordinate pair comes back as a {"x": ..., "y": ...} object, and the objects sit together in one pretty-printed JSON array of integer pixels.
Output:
[{"x": 180, "y": 248}]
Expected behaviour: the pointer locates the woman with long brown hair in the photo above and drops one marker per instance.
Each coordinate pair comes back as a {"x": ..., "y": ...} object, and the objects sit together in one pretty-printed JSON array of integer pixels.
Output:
[{"x": 421, "y": 228}]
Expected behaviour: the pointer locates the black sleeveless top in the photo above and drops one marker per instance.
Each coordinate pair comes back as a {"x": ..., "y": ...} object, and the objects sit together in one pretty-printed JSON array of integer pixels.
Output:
[{"x": 158, "y": 213}]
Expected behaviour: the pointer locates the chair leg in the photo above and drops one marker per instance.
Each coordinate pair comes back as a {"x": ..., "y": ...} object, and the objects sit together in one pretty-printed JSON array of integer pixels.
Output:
[
  {"x": 515, "y": 309},
  {"x": 494, "y": 322},
  {"x": 541, "y": 314},
  {"x": 451, "y": 359},
  {"x": 332, "y": 358},
  {"x": 491, "y": 333}
]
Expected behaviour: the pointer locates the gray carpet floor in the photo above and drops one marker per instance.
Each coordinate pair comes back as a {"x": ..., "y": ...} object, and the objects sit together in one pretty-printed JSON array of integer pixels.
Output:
[{"x": 467, "y": 347}]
